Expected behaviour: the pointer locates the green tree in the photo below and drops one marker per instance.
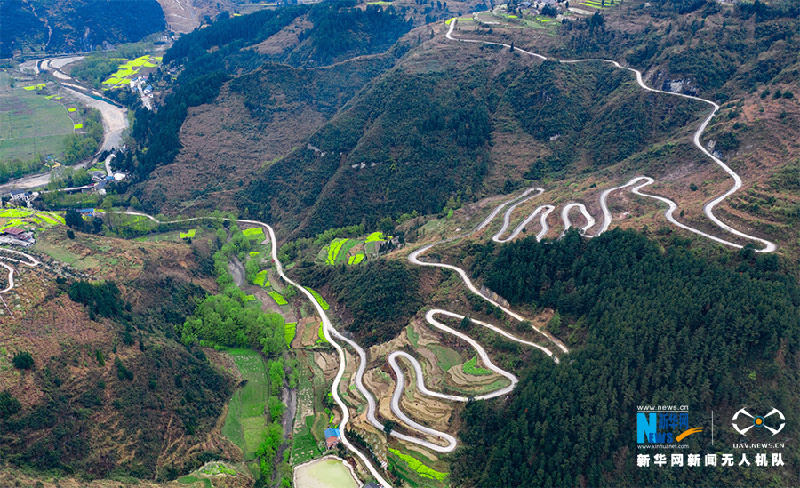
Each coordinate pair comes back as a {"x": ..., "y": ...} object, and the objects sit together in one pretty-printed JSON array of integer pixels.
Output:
[
  {"x": 8, "y": 405},
  {"x": 23, "y": 360},
  {"x": 276, "y": 377},
  {"x": 74, "y": 219}
]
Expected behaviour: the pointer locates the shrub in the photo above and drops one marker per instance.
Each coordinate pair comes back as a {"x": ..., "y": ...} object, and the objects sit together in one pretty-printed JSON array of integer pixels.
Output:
[{"x": 23, "y": 360}]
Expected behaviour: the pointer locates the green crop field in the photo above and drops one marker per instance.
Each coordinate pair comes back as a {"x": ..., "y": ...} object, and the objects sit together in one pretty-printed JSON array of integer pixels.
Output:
[
  {"x": 28, "y": 219},
  {"x": 254, "y": 233},
  {"x": 321, "y": 333},
  {"x": 30, "y": 123},
  {"x": 334, "y": 249},
  {"x": 304, "y": 447},
  {"x": 319, "y": 299},
  {"x": 470, "y": 368},
  {"x": 355, "y": 259},
  {"x": 129, "y": 69},
  {"x": 245, "y": 424},
  {"x": 418, "y": 466},
  {"x": 350, "y": 244},
  {"x": 446, "y": 357},
  {"x": 190, "y": 233},
  {"x": 278, "y": 298},
  {"x": 375, "y": 237},
  {"x": 261, "y": 278},
  {"x": 289, "y": 330}
]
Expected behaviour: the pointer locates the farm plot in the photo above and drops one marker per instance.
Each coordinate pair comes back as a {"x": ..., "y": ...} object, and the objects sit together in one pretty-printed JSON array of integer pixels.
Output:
[
  {"x": 600, "y": 4},
  {"x": 30, "y": 123},
  {"x": 308, "y": 440},
  {"x": 277, "y": 297},
  {"x": 29, "y": 219},
  {"x": 245, "y": 424},
  {"x": 261, "y": 278},
  {"x": 412, "y": 469},
  {"x": 289, "y": 331},
  {"x": 319, "y": 299},
  {"x": 471, "y": 368},
  {"x": 255, "y": 233},
  {"x": 351, "y": 251},
  {"x": 127, "y": 70}
]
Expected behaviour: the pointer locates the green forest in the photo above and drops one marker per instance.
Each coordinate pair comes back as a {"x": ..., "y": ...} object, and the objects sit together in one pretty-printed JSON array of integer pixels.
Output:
[
  {"x": 646, "y": 325},
  {"x": 379, "y": 296},
  {"x": 77, "y": 25}
]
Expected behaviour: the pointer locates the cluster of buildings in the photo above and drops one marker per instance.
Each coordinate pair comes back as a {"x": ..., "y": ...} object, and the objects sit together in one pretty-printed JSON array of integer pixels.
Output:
[
  {"x": 17, "y": 236},
  {"x": 534, "y": 7},
  {"x": 145, "y": 90}
]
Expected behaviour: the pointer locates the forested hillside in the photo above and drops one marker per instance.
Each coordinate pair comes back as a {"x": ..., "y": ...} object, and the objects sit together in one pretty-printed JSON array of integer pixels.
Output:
[
  {"x": 77, "y": 25},
  {"x": 273, "y": 100},
  {"x": 648, "y": 326},
  {"x": 105, "y": 390},
  {"x": 416, "y": 140}
]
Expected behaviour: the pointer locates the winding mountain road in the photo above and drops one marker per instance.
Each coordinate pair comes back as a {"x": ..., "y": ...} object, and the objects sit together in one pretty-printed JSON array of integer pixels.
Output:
[
  {"x": 29, "y": 261},
  {"x": 708, "y": 208},
  {"x": 334, "y": 337}
]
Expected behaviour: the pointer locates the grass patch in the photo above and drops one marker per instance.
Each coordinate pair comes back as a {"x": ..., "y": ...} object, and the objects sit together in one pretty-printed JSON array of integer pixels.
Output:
[
  {"x": 446, "y": 357},
  {"x": 319, "y": 299},
  {"x": 471, "y": 368},
  {"x": 278, "y": 298},
  {"x": 417, "y": 465},
  {"x": 245, "y": 424}
]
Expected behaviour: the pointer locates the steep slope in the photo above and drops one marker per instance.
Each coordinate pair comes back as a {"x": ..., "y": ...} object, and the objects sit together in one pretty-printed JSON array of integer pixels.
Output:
[
  {"x": 279, "y": 93},
  {"x": 429, "y": 130},
  {"x": 60, "y": 26},
  {"x": 109, "y": 391}
]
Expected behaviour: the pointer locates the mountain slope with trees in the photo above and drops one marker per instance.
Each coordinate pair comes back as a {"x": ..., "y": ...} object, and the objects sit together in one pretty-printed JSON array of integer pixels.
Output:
[{"x": 647, "y": 327}]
